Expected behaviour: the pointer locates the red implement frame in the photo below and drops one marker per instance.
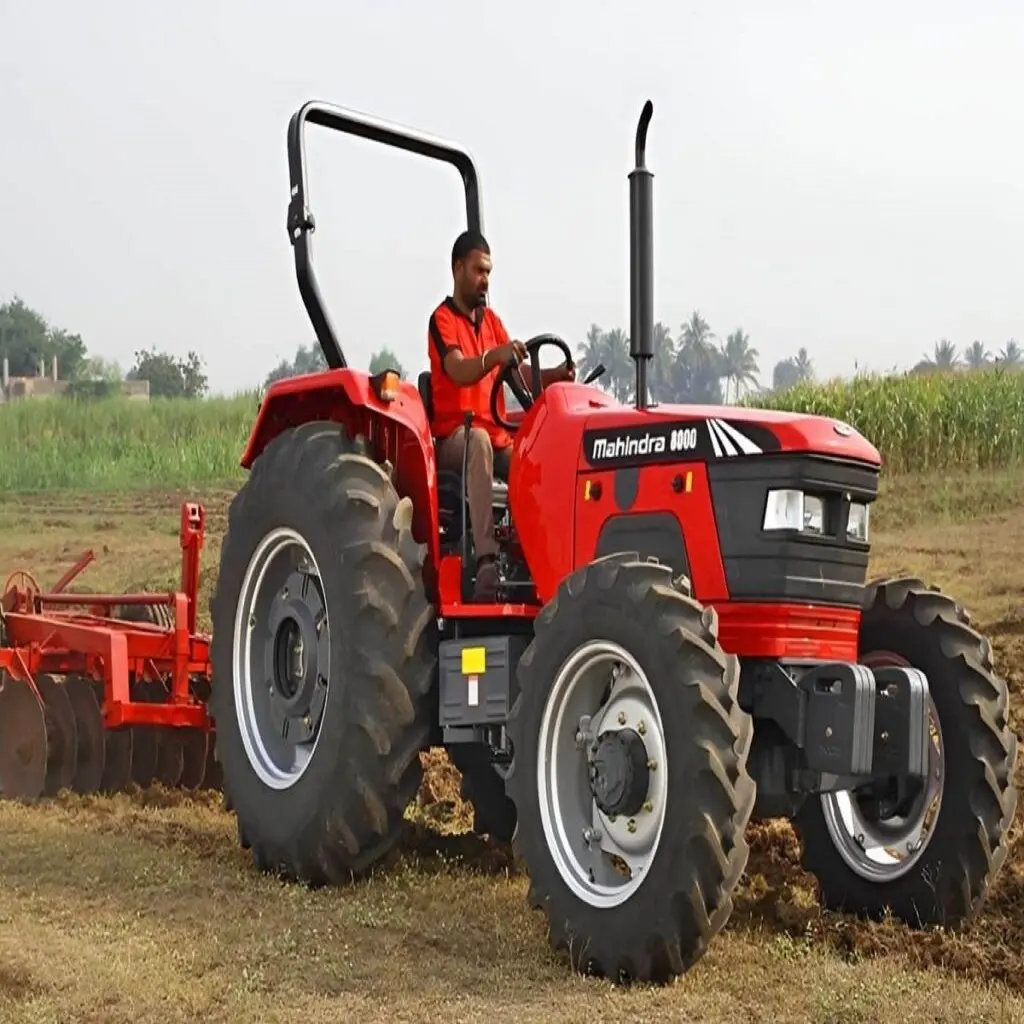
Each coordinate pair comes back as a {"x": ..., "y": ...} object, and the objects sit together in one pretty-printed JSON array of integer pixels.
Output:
[{"x": 76, "y": 634}]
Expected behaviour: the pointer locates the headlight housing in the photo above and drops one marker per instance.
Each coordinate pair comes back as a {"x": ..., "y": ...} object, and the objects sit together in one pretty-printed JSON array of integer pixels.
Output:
[
  {"x": 792, "y": 509},
  {"x": 857, "y": 522}
]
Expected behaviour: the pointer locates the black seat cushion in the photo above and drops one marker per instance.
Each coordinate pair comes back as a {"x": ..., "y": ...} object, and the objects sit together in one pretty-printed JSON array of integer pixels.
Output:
[{"x": 426, "y": 396}]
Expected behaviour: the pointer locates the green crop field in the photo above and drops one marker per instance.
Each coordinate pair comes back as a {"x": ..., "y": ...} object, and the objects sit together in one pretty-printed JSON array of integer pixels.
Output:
[{"x": 919, "y": 423}]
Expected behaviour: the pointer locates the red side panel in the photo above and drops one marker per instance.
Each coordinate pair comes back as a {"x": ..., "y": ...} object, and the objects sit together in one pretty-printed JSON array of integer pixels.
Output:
[
  {"x": 396, "y": 430},
  {"x": 793, "y": 631},
  {"x": 542, "y": 487},
  {"x": 657, "y": 491}
]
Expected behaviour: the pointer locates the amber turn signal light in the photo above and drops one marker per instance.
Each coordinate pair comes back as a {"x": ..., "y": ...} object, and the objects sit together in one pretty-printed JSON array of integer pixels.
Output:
[{"x": 385, "y": 385}]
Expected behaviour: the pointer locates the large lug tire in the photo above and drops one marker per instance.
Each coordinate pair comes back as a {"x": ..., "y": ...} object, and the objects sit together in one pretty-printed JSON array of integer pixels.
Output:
[
  {"x": 322, "y": 809},
  {"x": 944, "y": 853},
  {"x": 656, "y": 675}
]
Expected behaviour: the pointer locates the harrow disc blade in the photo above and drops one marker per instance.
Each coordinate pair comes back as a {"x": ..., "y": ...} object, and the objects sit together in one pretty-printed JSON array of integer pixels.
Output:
[
  {"x": 193, "y": 750},
  {"x": 170, "y": 761},
  {"x": 117, "y": 766},
  {"x": 22, "y": 740},
  {"x": 145, "y": 753},
  {"x": 117, "y": 752},
  {"x": 214, "y": 778},
  {"x": 91, "y": 747},
  {"x": 146, "y": 738},
  {"x": 61, "y": 735}
]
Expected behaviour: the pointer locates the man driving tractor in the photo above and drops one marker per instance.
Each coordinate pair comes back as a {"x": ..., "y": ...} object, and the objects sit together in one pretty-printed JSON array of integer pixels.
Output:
[{"x": 468, "y": 346}]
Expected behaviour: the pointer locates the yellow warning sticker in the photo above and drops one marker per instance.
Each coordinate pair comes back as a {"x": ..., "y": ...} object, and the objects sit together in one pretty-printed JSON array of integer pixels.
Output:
[{"x": 474, "y": 661}]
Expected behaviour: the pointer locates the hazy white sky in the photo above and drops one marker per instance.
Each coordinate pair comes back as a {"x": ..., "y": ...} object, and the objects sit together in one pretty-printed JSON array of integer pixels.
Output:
[{"x": 848, "y": 177}]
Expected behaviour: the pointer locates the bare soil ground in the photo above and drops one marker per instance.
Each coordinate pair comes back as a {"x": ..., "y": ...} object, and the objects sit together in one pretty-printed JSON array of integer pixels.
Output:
[{"x": 144, "y": 907}]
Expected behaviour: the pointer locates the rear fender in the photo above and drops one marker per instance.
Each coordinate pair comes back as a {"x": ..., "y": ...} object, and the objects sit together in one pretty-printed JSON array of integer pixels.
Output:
[{"x": 397, "y": 431}]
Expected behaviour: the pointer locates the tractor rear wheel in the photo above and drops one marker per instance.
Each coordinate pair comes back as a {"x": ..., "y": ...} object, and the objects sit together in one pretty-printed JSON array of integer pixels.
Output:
[
  {"x": 323, "y": 658},
  {"x": 629, "y": 771},
  {"x": 933, "y": 861}
]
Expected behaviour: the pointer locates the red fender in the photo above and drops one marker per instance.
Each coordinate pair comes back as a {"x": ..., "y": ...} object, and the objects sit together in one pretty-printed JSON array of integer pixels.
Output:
[{"x": 397, "y": 431}]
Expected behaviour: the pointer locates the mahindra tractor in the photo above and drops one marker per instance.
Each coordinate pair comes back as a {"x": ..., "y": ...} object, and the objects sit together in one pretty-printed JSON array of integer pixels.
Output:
[{"x": 684, "y": 641}]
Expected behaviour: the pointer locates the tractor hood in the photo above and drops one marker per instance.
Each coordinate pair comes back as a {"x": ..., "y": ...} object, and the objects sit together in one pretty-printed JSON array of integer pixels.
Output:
[{"x": 616, "y": 435}]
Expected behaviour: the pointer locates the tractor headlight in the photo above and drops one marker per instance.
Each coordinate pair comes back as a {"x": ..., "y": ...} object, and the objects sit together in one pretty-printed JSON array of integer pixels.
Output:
[
  {"x": 857, "y": 524},
  {"x": 794, "y": 510}
]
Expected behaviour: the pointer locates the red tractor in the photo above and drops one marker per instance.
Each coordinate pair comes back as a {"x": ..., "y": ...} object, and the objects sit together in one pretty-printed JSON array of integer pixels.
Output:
[{"x": 684, "y": 639}]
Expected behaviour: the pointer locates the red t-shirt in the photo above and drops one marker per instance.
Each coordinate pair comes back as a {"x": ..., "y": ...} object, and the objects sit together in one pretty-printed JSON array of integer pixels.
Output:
[{"x": 450, "y": 328}]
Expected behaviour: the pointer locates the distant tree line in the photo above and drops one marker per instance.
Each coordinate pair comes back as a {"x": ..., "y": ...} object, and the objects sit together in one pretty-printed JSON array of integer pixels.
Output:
[
  {"x": 27, "y": 339},
  {"x": 946, "y": 358},
  {"x": 692, "y": 366}
]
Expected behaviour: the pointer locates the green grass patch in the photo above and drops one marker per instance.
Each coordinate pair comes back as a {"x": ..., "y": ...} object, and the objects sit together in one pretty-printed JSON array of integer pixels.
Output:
[
  {"x": 920, "y": 424},
  {"x": 119, "y": 445},
  {"x": 924, "y": 422}
]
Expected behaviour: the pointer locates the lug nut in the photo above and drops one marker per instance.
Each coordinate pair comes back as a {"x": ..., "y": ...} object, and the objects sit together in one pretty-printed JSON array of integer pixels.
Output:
[
  {"x": 652, "y": 765},
  {"x": 591, "y": 835},
  {"x": 631, "y": 825},
  {"x": 622, "y": 718},
  {"x": 641, "y": 728},
  {"x": 648, "y": 806}
]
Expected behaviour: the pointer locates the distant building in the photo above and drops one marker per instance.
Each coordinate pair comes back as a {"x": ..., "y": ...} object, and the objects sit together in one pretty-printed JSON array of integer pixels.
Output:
[{"x": 43, "y": 386}]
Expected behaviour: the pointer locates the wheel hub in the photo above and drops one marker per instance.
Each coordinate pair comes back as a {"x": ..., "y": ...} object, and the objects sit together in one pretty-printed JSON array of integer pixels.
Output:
[
  {"x": 619, "y": 776},
  {"x": 602, "y": 773},
  {"x": 295, "y": 680},
  {"x": 281, "y": 657}
]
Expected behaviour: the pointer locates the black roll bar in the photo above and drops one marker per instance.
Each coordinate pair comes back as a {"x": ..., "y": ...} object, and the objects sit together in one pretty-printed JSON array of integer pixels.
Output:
[{"x": 301, "y": 223}]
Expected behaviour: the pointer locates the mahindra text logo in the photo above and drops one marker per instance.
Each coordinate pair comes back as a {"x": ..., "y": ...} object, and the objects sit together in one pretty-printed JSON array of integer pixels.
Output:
[{"x": 626, "y": 447}]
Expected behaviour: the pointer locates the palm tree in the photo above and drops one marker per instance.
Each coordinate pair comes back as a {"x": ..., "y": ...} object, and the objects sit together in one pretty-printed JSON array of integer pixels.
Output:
[
  {"x": 590, "y": 353},
  {"x": 976, "y": 356},
  {"x": 659, "y": 374},
  {"x": 945, "y": 357},
  {"x": 610, "y": 348},
  {"x": 740, "y": 362},
  {"x": 699, "y": 365},
  {"x": 696, "y": 332},
  {"x": 1011, "y": 355},
  {"x": 803, "y": 365}
]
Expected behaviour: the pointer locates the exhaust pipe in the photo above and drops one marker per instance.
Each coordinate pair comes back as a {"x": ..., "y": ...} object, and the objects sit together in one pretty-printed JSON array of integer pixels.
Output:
[{"x": 641, "y": 260}]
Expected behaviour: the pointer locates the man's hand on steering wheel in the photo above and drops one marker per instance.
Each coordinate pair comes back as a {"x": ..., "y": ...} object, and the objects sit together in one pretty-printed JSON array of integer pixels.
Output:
[
  {"x": 504, "y": 354},
  {"x": 511, "y": 375}
]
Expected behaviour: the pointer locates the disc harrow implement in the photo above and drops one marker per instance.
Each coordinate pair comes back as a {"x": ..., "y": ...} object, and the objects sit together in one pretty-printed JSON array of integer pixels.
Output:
[{"x": 100, "y": 692}]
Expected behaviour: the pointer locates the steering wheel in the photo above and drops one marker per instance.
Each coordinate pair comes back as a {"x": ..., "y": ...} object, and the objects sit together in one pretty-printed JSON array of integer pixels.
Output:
[{"x": 511, "y": 375}]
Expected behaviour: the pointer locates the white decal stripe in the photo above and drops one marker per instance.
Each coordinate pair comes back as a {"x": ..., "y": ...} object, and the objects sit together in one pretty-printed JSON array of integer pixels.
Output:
[
  {"x": 723, "y": 438},
  {"x": 746, "y": 445},
  {"x": 714, "y": 439}
]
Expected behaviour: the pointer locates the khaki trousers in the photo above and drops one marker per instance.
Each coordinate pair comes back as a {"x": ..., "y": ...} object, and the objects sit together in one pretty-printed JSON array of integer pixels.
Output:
[{"x": 483, "y": 464}]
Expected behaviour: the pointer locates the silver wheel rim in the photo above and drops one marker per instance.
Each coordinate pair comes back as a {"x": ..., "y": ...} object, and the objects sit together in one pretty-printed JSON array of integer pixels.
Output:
[
  {"x": 882, "y": 851},
  {"x": 279, "y": 732},
  {"x": 600, "y": 689}
]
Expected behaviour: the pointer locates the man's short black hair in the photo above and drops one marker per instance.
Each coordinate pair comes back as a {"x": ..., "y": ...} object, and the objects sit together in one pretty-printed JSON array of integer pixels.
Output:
[{"x": 466, "y": 243}]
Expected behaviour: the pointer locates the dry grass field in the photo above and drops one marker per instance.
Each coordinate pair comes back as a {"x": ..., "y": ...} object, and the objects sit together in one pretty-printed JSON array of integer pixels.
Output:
[{"x": 144, "y": 908}]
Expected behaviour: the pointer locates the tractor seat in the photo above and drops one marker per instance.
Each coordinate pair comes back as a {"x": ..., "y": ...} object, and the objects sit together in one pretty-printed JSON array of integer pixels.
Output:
[{"x": 449, "y": 480}]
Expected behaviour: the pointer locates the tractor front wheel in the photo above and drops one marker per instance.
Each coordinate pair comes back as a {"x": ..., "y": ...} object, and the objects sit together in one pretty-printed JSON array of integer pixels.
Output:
[
  {"x": 323, "y": 658},
  {"x": 629, "y": 771},
  {"x": 933, "y": 860}
]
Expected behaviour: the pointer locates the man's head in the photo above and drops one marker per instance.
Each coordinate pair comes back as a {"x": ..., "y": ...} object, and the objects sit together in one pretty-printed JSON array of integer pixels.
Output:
[{"x": 471, "y": 268}]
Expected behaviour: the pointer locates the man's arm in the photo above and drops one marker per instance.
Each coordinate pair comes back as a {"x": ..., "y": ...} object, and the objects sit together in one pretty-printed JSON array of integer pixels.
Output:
[
  {"x": 461, "y": 369},
  {"x": 547, "y": 377}
]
